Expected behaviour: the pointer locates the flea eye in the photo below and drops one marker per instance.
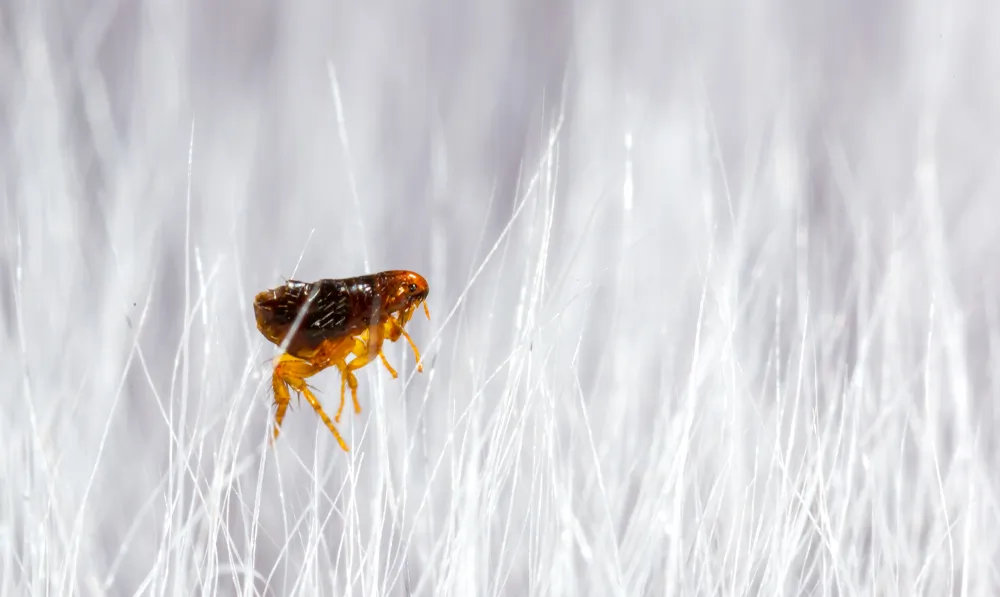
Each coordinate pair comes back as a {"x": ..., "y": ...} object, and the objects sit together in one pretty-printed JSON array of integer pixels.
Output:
[{"x": 413, "y": 287}]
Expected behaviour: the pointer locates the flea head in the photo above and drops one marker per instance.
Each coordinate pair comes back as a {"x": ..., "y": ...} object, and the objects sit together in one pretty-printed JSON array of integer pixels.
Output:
[{"x": 405, "y": 291}]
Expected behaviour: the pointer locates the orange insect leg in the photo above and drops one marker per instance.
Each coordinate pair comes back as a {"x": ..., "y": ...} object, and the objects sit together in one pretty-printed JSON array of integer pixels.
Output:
[
  {"x": 347, "y": 377},
  {"x": 385, "y": 362},
  {"x": 393, "y": 330},
  {"x": 291, "y": 372},
  {"x": 281, "y": 399},
  {"x": 364, "y": 349}
]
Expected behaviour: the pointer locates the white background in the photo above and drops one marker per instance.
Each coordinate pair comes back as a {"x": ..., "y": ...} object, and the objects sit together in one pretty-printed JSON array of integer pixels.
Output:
[{"x": 714, "y": 296}]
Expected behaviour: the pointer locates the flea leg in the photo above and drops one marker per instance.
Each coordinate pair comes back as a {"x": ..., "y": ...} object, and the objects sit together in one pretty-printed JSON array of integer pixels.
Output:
[
  {"x": 386, "y": 334},
  {"x": 343, "y": 393},
  {"x": 326, "y": 419},
  {"x": 333, "y": 353},
  {"x": 393, "y": 330},
  {"x": 292, "y": 372},
  {"x": 363, "y": 353},
  {"x": 347, "y": 377},
  {"x": 281, "y": 399},
  {"x": 392, "y": 371}
]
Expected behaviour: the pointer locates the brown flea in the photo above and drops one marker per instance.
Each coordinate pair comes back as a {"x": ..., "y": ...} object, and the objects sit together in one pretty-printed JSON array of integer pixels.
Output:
[{"x": 326, "y": 322}]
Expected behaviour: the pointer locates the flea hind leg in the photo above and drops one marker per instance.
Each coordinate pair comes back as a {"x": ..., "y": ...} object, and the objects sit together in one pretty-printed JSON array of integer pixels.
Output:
[
  {"x": 281, "y": 399},
  {"x": 291, "y": 372}
]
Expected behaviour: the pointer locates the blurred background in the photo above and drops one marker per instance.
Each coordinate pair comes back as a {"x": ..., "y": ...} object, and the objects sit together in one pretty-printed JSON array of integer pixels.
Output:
[{"x": 714, "y": 308}]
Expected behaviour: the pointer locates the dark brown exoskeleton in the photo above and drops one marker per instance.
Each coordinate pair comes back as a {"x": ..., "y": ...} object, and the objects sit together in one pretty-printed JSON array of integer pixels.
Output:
[{"x": 320, "y": 324}]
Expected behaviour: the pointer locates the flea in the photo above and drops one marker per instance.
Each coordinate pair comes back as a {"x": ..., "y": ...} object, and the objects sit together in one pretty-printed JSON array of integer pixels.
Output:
[{"x": 326, "y": 322}]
